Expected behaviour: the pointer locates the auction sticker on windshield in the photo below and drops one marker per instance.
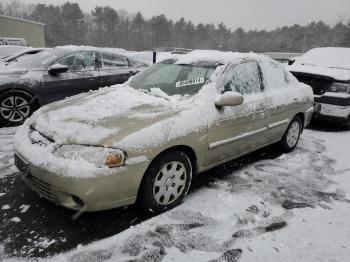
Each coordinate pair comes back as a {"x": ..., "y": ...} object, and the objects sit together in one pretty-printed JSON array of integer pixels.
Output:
[{"x": 190, "y": 82}]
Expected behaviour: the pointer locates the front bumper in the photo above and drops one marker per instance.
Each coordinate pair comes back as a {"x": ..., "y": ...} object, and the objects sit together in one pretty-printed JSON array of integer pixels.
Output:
[
  {"x": 110, "y": 188},
  {"x": 332, "y": 107}
]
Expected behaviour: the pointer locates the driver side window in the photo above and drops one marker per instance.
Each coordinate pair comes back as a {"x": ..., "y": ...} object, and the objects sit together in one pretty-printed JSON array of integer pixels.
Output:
[
  {"x": 244, "y": 78},
  {"x": 80, "y": 61}
]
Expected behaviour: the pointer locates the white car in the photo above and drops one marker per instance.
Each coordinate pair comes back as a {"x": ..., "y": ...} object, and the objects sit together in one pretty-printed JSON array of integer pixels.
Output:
[{"x": 327, "y": 71}]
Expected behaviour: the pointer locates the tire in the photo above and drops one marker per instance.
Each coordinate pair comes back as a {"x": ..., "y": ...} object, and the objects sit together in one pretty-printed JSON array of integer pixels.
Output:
[
  {"x": 15, "y": 107},
  {"x": 166, "y": 182},
  {"x": 347, "y": 123},
  {"x": 291, "y": 136}
]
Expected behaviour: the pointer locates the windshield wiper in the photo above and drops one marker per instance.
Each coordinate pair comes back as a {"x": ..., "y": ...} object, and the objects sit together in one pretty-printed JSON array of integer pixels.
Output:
[{"x": 146, "y": 91}]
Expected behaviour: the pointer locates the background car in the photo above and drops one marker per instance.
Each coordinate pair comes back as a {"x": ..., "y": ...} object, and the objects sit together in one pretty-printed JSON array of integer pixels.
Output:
[
  {"x": 327, "y": 71},
  {"x": 13, "y": 41},
  {"x": 146, "y": 140},
  {"x": 20, "y": 55},
  {"x": 55, "y": 74}
]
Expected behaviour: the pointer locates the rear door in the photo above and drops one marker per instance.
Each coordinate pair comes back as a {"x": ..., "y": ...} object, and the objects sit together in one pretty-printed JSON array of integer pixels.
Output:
[
  {"x": 281, "y": 98},
  {"x": 82, "y": 76},
  {"x": 115, "y": 69},
  {"x": 239, "y": 128}
]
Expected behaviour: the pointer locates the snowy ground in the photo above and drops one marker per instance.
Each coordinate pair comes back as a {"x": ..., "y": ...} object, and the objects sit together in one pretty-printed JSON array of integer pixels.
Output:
[{"x": 291, "y": 207}]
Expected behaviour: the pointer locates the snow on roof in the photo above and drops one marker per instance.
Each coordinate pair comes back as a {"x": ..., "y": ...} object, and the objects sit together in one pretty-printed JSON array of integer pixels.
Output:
[
  {"x": 333, "y": 57},
  {"x": 91, "y": 48},
  {"x": 213, "y": 56}
]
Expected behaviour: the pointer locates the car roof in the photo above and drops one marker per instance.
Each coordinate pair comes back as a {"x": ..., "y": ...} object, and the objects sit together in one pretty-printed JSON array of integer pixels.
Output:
[
  {"x": 214, "y": 57},
  {"x": 74, "y": 48}
]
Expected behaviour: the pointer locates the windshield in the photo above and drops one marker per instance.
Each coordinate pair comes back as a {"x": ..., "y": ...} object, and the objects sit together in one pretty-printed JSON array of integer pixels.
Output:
[
  {"x": 42, "y": 59},
  {"x": 174, "y": 79},
  {"x": 6, "y": 51},
  {"x": 332, "y": 57}
]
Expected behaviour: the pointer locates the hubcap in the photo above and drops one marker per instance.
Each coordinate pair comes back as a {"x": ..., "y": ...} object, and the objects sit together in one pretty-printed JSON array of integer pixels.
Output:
[
  {"x": 293, "y": 134},
  {"x": 14, "y": 109},
  {"x": 169, "y": 183}
]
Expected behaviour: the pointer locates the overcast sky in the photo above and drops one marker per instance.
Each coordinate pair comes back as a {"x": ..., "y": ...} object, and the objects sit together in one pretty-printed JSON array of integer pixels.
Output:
[{"x": 249, "y": 14}]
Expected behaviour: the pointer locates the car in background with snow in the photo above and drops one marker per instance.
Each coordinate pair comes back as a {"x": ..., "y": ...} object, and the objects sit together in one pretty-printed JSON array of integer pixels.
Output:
[
  {"x": 55, "y": 74},
  {"x": 18, "y": 56},
  {"x": 146, "y": 140},
  {"x": 327, "y": 71},
  {"x": 13, "y": 41}
]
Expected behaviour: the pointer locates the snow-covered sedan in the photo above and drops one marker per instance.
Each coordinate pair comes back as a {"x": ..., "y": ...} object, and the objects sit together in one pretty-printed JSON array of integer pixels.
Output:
[
  {"x": 145, "y": 141},
  {"x": 327, "y": 71}
]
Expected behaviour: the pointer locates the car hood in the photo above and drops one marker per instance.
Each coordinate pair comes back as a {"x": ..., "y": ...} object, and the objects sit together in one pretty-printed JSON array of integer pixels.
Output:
[
  {"x": 335, "y": 73},
  {"x": 106, "y": 117}
]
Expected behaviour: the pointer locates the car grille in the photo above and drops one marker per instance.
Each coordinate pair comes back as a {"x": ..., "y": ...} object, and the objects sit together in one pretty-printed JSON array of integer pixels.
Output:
[
  {"x": 319, "y": 84},
  {"x": 41, "y": 187}
]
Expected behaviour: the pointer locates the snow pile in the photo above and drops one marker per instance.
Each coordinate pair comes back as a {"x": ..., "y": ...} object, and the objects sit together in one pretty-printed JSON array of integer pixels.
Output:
[{"x": 6, "y": 152}]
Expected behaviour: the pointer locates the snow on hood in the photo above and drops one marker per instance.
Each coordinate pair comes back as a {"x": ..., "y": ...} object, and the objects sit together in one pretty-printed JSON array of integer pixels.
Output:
[
  {"x": 93, "y": 117},
  {"x": 337, "y": 74},
  {"x": 329, "y": 61}
]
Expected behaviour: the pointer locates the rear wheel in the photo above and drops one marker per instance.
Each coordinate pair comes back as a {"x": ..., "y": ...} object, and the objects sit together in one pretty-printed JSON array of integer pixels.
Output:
[
  {"x": 166, "y": 182},
  {"x": 291, "y": 137},
  {"x": 15, "y": 107}
]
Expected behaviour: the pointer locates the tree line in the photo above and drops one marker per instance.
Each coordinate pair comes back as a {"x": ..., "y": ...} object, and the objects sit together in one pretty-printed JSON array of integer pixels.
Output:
[{"x": 108, "y": 27}]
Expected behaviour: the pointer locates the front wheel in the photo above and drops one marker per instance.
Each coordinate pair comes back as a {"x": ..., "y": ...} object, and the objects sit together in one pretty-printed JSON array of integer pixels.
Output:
[
  {"x": 15, "y": 108},
  {"x": 291, "y": 137},
  {"x": 166, "y": 182}
]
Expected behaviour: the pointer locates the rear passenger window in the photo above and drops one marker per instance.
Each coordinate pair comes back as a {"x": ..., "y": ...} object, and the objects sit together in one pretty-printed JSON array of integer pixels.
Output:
[
  {"x": 244, "y": 78},
  {"x": 110, "y": 61},
  {"x": 274, "y": 74}
]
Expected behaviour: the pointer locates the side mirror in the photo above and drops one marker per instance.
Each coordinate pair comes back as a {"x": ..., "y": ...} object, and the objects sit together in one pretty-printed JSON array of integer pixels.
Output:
[
  {"x": 229, "y": 99},
  {"x": 58, "y": 69},
  {"x": 291, "y": 61}
]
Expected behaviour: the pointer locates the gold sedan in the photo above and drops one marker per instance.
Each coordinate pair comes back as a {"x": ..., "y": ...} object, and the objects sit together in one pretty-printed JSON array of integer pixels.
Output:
[{"x": 146, "y": 140}]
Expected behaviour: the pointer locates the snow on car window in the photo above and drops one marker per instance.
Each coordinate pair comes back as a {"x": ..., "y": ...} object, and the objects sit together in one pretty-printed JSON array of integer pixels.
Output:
[
  {"x": 274, "y": 74},
  {"x": 244, "y": 78},
  {"x": 174, "y": 79},
  {"x": 79, "y": 61},
  {"x": 111, "y": 61}
]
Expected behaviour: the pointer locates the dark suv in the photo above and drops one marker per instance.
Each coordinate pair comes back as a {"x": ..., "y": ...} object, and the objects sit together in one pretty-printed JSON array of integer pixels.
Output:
[{"x": 58, "y": 73}]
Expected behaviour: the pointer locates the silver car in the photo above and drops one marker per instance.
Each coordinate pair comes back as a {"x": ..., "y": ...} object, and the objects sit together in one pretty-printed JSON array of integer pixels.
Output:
[{"x": 146, "y": 140}]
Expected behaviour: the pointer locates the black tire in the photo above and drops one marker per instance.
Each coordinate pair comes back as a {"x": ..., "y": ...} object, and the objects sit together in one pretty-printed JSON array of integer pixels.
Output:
[
  {"x": 147, "y": 198},
  {"x": 15, "y": 107},
  {"x": 347, "y": 123},
  {"x": 291, "y": 136}
]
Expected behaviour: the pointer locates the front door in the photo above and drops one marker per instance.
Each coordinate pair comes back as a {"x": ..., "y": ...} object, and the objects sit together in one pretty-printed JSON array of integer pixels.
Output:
[
  {"x": 82, "y": 76},
  {"x": 239, "y": 128}
]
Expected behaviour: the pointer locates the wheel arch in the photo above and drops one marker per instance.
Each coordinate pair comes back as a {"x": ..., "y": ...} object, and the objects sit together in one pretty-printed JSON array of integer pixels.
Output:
[
  {"x": 302, "y": 118},
  {"x": 21, "y": 90},
  {"x": 189, "y": 151}
]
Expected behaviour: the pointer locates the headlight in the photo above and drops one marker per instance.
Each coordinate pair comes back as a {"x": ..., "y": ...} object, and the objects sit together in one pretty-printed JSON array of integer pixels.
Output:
[
  {"x": 100, "y": 156},
  {"x": 340, "y": 87}
]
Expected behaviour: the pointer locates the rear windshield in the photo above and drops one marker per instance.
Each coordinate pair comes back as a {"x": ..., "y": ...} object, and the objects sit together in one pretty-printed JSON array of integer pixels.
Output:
[{"x": 173, "y": 78}]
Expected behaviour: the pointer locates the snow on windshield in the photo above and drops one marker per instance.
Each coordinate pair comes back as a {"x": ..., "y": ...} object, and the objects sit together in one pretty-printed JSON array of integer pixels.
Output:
[{"x": 336, "y": 57}]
